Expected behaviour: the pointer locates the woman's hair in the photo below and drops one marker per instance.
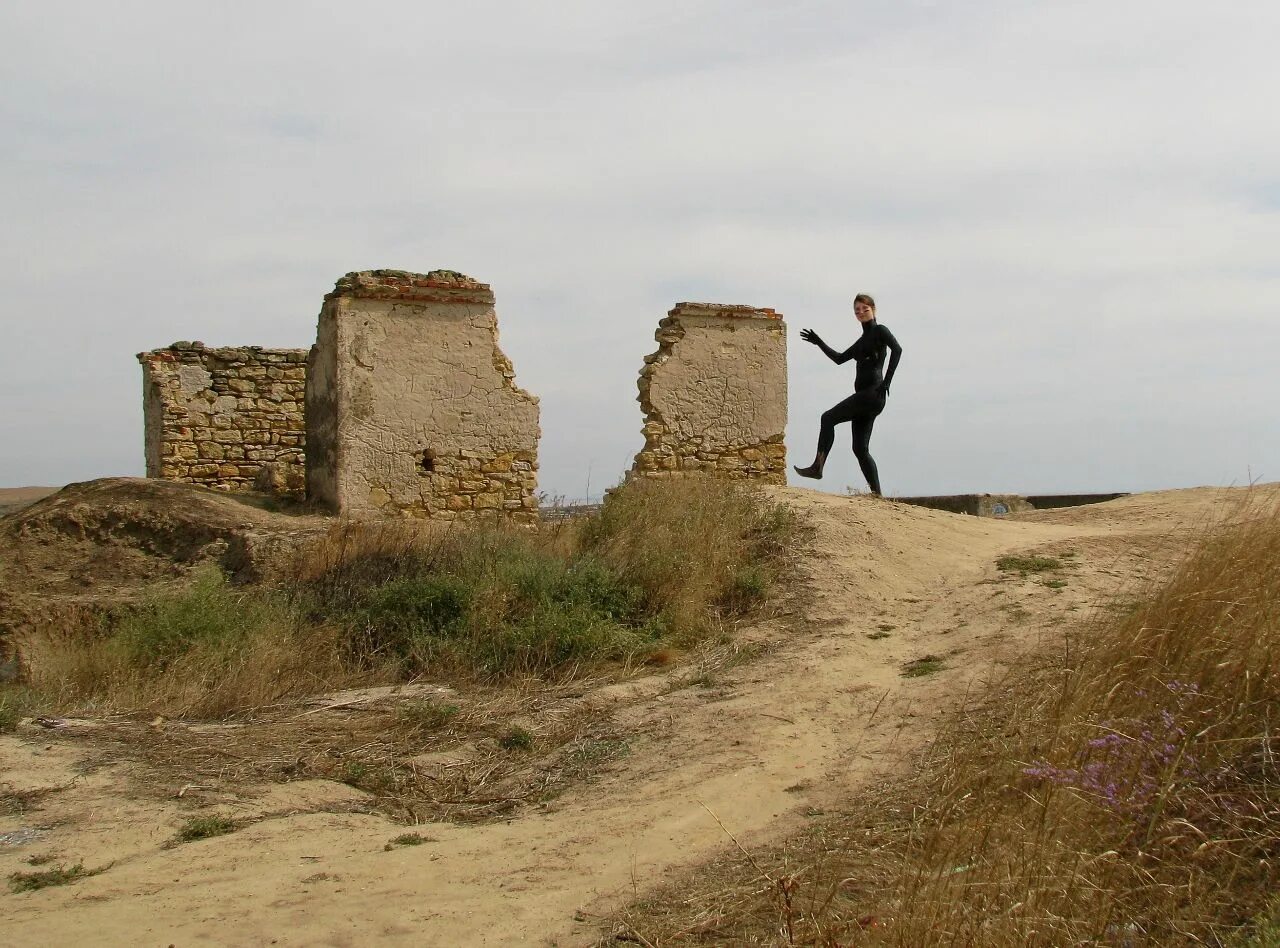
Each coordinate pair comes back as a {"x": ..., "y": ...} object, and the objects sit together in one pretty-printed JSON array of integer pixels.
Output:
[{"x": 864, "y": 298}]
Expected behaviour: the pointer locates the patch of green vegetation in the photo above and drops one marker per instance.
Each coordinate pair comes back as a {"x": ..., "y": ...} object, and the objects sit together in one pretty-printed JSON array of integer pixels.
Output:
[
  {"x": 373, "y": 778},
  {"x": 408, "y": 839},
  {"x": 209, "y": 615},
  {"x": 15, "y": 704},
  {"x": 205, "y": 827},
  {"x": 1027, "y": 564},
  {"x": 1262, "y": 932},
  {"x": 62, "y": 875},
  {"x": 517, "y": 738},
  {"x": 928, "y": 665},
  {"x": 427, "y": 715},
  {"x": 1053, "y": 583},
  {"x": 594, "y": 753}
]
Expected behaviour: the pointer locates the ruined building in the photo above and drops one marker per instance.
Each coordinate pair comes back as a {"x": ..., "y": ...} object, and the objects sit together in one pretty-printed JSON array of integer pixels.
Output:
[
  {"x": 225, "y": 418},
  {"x": 405, "y": 405},
  {"x": 411, "y": 407},
  {"x": 714, "y": 395}
]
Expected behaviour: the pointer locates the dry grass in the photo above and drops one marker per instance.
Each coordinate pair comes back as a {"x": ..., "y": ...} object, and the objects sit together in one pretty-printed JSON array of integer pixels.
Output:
[
  {"x": 662, "y": 566},
  {"x": 1125, "y": 794}
]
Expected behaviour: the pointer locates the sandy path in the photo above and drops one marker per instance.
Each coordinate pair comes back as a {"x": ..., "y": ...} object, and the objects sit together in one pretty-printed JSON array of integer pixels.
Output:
[{"x": 763, "y": 744}]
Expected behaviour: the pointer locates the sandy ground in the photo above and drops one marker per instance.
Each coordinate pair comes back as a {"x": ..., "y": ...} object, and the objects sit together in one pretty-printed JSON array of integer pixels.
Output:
[{"x": 820, "y": 713}]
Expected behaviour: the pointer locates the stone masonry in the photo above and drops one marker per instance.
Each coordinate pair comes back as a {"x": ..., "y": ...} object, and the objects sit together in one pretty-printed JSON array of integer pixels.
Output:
[
  {"x": 411, "y": 407},
  {"x": 225, "y": 417},
  {"x": 714, "y": 395}
]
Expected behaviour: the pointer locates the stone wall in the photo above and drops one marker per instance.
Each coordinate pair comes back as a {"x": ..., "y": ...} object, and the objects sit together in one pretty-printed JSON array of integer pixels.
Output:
[
  {"x": 714, "y": 395},
  {"x": 412, "y": 409},
  {"x": 226, "y": 417}
]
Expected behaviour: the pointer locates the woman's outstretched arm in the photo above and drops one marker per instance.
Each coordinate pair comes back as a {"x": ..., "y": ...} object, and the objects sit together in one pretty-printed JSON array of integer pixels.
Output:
[{"x": 839, "y": 358}]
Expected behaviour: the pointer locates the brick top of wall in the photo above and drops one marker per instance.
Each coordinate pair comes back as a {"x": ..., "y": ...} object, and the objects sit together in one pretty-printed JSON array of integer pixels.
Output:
[
  {"x": 197, "y": 351},
  {"x": 438, "y": 286},
  {"x": 723, "y": 309}
]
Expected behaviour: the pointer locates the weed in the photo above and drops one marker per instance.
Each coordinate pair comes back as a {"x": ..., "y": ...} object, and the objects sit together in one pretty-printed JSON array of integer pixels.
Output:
[
  {"x": 427, "y": 715},
  {"x": 919, "y": 667},
  {"x": 31, "y": 881},
  {"x": 408, "y": 839},
  {"x": 517, "y": 738},
  {"x": 1027, "y": 564},
  {"x": 1053, "y": 583},
  {"x": 39, "y": 860},
  {"x": 205, "y": 827},
  {"x": 594, "y": 753},
  {"x": 15, "y": 704}
]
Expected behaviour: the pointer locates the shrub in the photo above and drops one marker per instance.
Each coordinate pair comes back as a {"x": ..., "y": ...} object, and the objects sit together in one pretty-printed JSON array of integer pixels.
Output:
[{"x": 205, "y": 827}]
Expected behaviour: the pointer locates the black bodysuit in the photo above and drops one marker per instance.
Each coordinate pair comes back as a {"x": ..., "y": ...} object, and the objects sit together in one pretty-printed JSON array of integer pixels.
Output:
[{"x": 870, "y": 386}]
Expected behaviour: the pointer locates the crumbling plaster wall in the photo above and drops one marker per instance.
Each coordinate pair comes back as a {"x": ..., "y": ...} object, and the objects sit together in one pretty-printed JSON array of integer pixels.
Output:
[
  {"x": 714, "y": 395},
  {"x": 218, "y": 416},
  {"x": 412, "y": 409}
]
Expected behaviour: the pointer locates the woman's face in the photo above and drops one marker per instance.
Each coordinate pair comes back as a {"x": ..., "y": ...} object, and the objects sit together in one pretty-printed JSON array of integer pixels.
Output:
[{"x": 864, "y": 312}]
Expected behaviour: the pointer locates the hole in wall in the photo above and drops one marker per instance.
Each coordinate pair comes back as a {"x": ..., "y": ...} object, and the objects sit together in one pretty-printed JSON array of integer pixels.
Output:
[{"x": 427, "y": 461}]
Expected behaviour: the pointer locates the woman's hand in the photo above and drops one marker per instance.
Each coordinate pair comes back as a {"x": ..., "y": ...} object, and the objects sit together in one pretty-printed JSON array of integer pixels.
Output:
[{"x": 808, "y": 335}]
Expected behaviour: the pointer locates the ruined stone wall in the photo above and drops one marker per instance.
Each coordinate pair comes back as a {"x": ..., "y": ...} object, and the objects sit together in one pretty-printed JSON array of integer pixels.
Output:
[
  {"x": 412, "y": 409},
  {"x": 714, "y": 395},
  {"x": 217, "y": 417}
]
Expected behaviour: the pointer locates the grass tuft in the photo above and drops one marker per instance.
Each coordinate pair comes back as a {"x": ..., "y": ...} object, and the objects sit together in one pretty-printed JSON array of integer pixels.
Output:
[
  {"x": 1027, "y": 564},
  {"x": 205, "y": 827},
  {"x": 517, "y": 738},
  {"x": 920, "y": 667},
  {"x": 61, "y": 875}
]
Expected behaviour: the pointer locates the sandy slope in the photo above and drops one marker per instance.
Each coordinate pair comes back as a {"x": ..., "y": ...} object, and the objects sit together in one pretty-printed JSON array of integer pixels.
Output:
[{"x": 820, "y": 714}]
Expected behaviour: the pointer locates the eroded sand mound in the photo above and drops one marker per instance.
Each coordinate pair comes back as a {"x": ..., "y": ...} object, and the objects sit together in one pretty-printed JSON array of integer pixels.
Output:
[{"x": 105, "y": 541}]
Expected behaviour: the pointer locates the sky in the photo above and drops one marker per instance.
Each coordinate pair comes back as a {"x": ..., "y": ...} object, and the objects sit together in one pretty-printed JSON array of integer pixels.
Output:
[{"x": 1068, "y": 213}]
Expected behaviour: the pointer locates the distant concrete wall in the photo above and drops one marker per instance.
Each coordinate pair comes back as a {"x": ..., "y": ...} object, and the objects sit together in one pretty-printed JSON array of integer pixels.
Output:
[
  {"x": 1050, "y": 501},
  {"x": 714, "y": 395},
  {"x": 976, "y": 505},
  {"x": 411, "y": 407},
  {"x": 217, "y": 417},
  {"x": 998, "y": 505}
]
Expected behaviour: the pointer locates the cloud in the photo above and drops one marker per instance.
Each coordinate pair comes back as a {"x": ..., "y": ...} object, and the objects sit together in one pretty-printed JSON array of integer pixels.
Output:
[{"x": 1067, "y": 212}]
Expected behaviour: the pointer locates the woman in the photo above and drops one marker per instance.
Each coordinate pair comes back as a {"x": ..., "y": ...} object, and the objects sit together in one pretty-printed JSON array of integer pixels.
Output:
[{"x": 870, "y": 389}]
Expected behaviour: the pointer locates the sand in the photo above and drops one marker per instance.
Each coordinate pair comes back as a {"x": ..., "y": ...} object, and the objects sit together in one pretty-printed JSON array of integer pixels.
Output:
[{"x": 823, "y": 711}]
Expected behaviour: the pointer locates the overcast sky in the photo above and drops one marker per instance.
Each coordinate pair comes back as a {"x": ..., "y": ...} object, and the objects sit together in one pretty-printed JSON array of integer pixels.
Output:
[{"x": 1068, "y": 212}]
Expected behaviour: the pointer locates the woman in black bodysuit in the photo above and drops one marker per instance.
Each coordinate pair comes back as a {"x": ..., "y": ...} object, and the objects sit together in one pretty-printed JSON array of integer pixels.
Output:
[{"x": 870, "y": 389}]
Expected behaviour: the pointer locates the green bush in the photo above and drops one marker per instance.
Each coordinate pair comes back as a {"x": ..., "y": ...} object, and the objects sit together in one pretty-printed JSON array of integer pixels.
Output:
[{"x": 209, "y": 615}]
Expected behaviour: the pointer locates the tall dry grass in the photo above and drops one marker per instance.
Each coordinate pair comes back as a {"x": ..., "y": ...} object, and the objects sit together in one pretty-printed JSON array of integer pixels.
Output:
[
  {"x": 206, "y": 651},
  {"x": 663, "y": 565},
  {"x": 1128, "y": 794}
]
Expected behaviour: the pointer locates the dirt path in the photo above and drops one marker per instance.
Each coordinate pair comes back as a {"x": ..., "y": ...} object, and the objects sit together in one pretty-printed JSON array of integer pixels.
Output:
[{"x": 748, "y": 751}]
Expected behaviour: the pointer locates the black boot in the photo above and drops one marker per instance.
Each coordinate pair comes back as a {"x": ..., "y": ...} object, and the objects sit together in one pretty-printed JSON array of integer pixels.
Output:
[{"x": 814, "y": 470}]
